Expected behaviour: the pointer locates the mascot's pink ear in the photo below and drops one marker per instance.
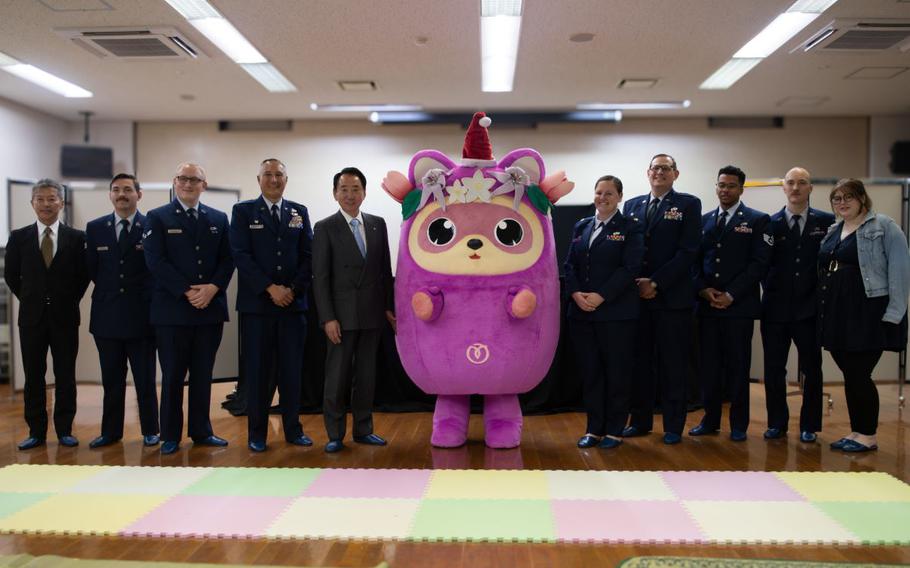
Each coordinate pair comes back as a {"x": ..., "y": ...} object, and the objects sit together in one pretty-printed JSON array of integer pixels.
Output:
[
  {"x": 556, "y": 185},
  {"x": 528, "y": 160},
  {"x": 396, "y": 185},
  {"x": 427, "y": 160}
]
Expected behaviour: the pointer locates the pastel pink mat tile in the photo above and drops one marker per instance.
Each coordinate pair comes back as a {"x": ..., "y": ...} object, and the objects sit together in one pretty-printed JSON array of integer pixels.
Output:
[
  {"x": 370, "y": 483},
  {"x": 616, "y": 521},
  {"x": 729, "y": 486},
  {"x": 213, "y": 515}
]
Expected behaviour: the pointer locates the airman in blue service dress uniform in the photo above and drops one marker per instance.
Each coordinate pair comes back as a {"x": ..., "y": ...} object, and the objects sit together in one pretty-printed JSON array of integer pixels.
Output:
[
  {"x": 789, "y": 308},
  {"x": 271, "y": 241},
  {"x": 603, "y": 261},
  {"x": 733, "y": 258},
  {"x": 187, "y": 251},
  {"x": 672, "y": 233},
  {"x": 120, "y": 312}
]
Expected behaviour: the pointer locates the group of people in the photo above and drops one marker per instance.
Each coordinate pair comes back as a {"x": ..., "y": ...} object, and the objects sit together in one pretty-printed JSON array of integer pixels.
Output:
[
  {"x": 160, "y": 282},
  {"x": 817, "y": 280}
]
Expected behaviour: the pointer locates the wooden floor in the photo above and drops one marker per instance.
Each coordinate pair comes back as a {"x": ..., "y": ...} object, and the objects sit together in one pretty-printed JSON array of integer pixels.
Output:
[{"x": 549, "y": 443}]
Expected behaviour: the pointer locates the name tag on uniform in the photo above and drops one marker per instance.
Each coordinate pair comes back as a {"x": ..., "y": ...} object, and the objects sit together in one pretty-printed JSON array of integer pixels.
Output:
[
  {"x": 213, "y": 229},
  {"x": 174, "y": 231},
  {"x": 742, "y": 229},
  {"x": 257, "y": 226},
  {"x": 102, "y": 248},
  {"x": 139, "y": 246}
]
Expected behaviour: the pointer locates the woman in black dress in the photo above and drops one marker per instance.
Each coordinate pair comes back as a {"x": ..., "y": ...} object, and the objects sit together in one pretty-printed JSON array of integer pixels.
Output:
[{"x": 864, "y": 281}]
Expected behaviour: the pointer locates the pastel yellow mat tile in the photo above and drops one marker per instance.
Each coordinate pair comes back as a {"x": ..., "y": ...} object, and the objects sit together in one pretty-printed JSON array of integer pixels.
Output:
[
  {"x": 609, "y": 485},
  {"x": 81, "y": 513},
  {"x": 844, "y": 486},
  {"x": 141, "y": 480},
  {"x": 766, "y": 521},
  {"x": 25, "y": 478},
  {"x": 487, "y": 484},
  {"x": 309, "y": 517}
]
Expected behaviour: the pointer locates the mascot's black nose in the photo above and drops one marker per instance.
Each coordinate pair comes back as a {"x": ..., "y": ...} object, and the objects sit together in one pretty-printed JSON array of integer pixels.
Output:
[{"x": 475, "y": 244}]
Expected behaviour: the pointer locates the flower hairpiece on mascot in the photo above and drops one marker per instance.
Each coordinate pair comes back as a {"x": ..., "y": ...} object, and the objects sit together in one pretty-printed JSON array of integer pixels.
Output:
[{"x": 477, "y": 285}]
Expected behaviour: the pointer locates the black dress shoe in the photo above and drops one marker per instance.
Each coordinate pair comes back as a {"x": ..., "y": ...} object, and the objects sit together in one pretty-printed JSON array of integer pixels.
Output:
[
  {"x": 257, "y": 446},
  {"x": 774, "y": 433},
  {"x": 370, "y": 440},
  {"x": 633, "y": 432},
  {"x": 702, "y": 430},
  {"x": 30, "y": 442},
  {"x": 68, "y": 441},
  {"x": 839, "y": 445},
  {"x": 807, "y": 437},
  {"x": 151, "y": 440},
  {"x": 738, "y": 436},
  {"x": 588, "y": 441},
  {"x": 169, "y": 447},
  {"x": 301, "y": 440},
  {"x": 102, "y": 441},
  {"x": 212, "y": 440},
  {"x": 334, "y": 446}
]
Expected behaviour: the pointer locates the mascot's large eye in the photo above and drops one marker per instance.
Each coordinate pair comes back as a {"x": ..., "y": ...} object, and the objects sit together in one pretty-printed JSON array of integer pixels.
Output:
[
  {"x": 441, "y": 231},
  {"x": 508, "y": 232}
]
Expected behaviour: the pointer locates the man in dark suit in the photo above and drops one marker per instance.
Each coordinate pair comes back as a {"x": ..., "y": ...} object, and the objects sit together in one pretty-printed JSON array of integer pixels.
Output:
[
  {"x": 187, "y": 251},
  {"x": 120, "y": 312},
  {"x": 352, "y": 284},
  {"x": 788, "y": 308},
  {"x": 672, "y": 233},
  {"x": 45, "y": 269},
  {"x": 271, "y": 243},
  {"x": 729, "y": 302}
]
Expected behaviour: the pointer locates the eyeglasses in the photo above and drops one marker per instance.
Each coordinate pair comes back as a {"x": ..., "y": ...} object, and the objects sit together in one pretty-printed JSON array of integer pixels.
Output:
[
  {"x": 662, "y": 168},
  {"x": 727, "y": 186},
  {"x": 188, "y": 179},
  {"x": 845, "y": 198}
]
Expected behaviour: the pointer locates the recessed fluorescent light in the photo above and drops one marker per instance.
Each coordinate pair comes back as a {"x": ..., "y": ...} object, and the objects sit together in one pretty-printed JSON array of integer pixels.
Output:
[
  {"x": 42, "y": 78},
  {"x": 398, "y": 117},
  {"x": 731, "y": 72},
  {"x": 223, "y": 34},
  {"x": 193, "y": 9},
  {"x": 269, "y": 77},
  {"x": 775, "y": 34},
  {"x": 364, "y": 108},
  {"x": 811, "y": 6},
  {"x": 595, "y": 116},
  {"x": 500, "y": 29},
  {"x": 634, "y": 106}
]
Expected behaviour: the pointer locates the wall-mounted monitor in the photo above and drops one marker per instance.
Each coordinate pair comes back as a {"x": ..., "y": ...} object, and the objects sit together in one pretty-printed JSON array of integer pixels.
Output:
[{"x": 92, "y": 162}]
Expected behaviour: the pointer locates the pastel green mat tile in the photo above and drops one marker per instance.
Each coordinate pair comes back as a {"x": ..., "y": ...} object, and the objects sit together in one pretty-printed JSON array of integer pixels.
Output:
[
  {"x": 254, "y": 481},
  {"x": 467, "y": 519}
]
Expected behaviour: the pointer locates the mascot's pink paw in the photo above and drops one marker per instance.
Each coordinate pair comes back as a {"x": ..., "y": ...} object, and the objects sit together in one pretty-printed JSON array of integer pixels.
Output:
[
  {"x": 502, "y": 433},
  {"x": 450, "y": 421},
  {"x": 396, "y": 185},
  {"x": 427, "y": 303},
  {"x": 556, "y": 185},
  {"x": 523, "y": 303}
]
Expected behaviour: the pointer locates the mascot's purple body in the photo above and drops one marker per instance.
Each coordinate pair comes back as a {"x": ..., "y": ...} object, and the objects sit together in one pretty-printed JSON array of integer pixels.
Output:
[{"x": 477, "y": 285}]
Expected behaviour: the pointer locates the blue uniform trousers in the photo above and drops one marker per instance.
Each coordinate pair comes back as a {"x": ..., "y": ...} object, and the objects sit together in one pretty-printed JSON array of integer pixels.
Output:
[
  {"x": 776, "y": 337},
  {"x": 726, "y": 355},
  {"x": 113, "y": 355}
]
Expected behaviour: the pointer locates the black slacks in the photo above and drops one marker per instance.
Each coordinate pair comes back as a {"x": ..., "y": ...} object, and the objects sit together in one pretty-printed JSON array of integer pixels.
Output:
[
  {"x": 860, "y": 391},
  {"x": 63, "y": 342},
  {"x": 726, "y": 355},
  {"x": 662, "y": 359},
  {"x": 776, "y": 338},
  {"x": 602, "y": 354},
  {"x": 357, "y": 353},
  {"x": 113, "y": 355},
  {"x": 186, "y": 349},
  {"x": 273, "y": 345}
]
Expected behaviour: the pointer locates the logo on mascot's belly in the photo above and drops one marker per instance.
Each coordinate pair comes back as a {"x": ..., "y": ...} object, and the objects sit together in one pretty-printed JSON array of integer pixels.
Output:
[
  {"x": 478, "y": 353},
  {"x": 480, "y": 238}
]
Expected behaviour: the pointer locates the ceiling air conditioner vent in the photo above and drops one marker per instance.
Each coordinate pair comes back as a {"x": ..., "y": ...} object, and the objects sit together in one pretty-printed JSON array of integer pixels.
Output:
[
  {"x": 855, "y": 35},
  {"x": 135, "y": 43}
]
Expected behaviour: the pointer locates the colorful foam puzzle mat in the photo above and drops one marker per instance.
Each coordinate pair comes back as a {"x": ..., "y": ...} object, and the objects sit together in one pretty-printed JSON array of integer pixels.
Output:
[{"x": 457, "y": 505}]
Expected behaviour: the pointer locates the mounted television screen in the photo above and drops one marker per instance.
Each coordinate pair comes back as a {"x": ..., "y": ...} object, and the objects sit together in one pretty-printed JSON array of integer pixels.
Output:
[{"x": 86, "y": 162}]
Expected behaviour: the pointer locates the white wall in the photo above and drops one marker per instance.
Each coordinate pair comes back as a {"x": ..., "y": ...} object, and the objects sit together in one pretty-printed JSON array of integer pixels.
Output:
[
  {"x": 29, "y": 149},
  {"x": 314, "y": 151},
  {"x": 883, "y": 132}
]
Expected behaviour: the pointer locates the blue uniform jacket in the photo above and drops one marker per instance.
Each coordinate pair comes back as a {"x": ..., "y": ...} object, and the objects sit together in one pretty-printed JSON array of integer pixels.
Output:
[
  {"x": 266, "y": 254},
  {"x": 671, "y": 243},
  {"x": 788, "y": 291},
  {"x": 734, "y": 261},
  {"x": 178, "y": 259},
  {"x": 123, "y": 284},
  {"x": 609, "y": 267}
]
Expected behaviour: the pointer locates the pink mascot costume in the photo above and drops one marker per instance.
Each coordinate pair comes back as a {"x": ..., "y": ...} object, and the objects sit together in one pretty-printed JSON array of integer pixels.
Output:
[{"x": 477, "y": 286}]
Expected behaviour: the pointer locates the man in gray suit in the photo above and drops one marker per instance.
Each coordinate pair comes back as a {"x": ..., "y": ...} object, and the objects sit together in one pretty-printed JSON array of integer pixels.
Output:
[{"x": 352, "y": 273}]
